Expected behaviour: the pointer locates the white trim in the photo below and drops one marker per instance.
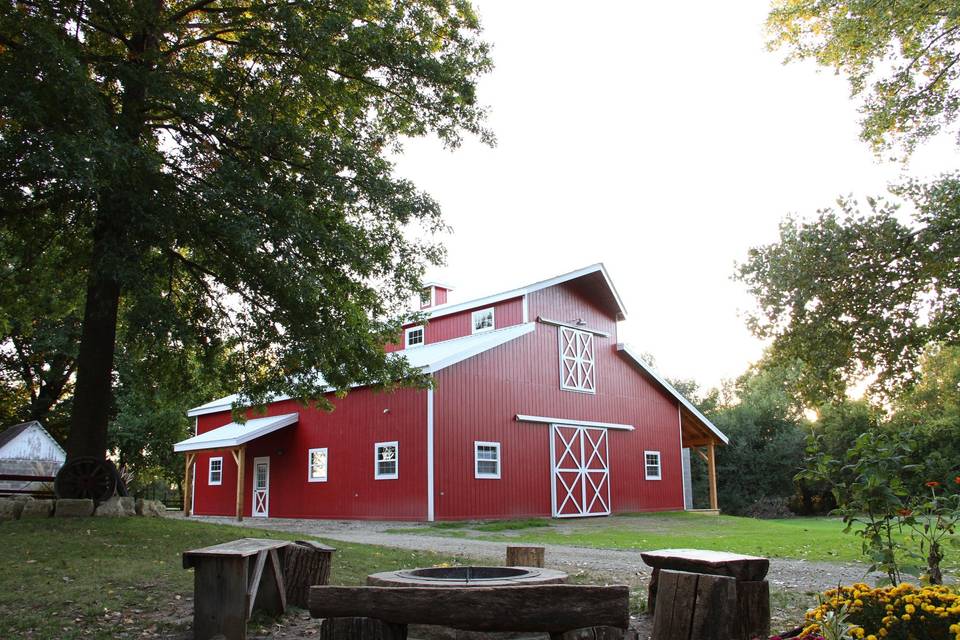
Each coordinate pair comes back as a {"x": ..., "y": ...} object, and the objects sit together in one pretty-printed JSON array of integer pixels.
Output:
[
  {"x": 526, "y": 309},
  {"x": 210, "y": 471},
  {"x": 473, "y": 320},
  {"x": 235, "y": 434},
  {"x": 266, "y": 490},
  {"x": 581, "y": 462},
  {"x": 573, "y": 423},
  {"x": 406, "y": 337},
  {"x": 430, "y": 426},
  {"x": 570, "y": 325},
  {"x": 583, "y": 376},
  {"x": 676, "y": 394},
  {"x": 476, "y": 461},
  {"x": 646, "y": 475},
  {"x": 326, "y": 470},
  {"x": 376, "y": 459}
]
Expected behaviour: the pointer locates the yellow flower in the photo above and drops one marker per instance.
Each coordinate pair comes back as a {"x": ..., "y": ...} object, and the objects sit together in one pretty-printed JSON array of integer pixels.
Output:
[
  {"x": 871, "y": 637},
  {"x": 905, "y": 617},
  {"x": 910, "y": 608}
]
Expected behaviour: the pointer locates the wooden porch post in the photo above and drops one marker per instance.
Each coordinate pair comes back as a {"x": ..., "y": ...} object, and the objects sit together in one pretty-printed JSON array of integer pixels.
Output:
[
  {"x": 239, "y": 456},
  {"x": 712, "y": 476},
  {"x": 188, "y": 483}
]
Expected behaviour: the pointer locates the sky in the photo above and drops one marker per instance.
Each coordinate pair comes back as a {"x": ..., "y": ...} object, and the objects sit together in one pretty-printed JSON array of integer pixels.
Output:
[{"x": 661, "y": 139}]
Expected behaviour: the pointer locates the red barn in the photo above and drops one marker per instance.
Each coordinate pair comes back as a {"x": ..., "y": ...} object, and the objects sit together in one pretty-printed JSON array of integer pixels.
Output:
[{"x": 537, "y": 410}]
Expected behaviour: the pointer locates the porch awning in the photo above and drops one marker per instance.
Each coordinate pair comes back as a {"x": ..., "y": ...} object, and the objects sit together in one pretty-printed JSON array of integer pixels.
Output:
[{"x": 236, "y": 434}]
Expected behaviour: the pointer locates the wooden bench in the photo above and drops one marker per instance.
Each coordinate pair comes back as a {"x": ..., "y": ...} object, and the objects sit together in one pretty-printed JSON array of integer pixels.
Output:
[
  {"x": 748, "y": 572},
  {"x": 234, "y": 578},
  {"x": 554, "y": 608}
]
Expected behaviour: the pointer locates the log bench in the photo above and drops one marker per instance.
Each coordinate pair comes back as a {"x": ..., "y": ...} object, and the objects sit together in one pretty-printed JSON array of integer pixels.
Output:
[
  {"x": 748, "y": 573},
  {"x": 234, "y": 578},
  {"x": 383, "y": 613}
]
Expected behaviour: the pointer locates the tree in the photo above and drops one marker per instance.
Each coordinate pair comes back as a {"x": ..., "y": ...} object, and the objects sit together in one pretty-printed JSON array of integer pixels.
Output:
[
  {"x": 237, "y": 149},
  {"x": 901, "y": 58}
]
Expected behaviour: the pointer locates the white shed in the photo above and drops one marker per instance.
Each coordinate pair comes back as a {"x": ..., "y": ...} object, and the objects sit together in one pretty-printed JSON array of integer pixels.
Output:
[{"x": 27, "y": 449}]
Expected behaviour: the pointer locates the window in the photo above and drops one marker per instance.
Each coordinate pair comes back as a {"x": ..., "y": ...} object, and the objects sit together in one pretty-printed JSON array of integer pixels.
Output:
[
  {"x": 215, "y": 476},
  {"x": 577, "y": 371},
  {"x": 486, "y": 456},
  {"x": 651, "y": 465},
  {"x": 426, "y": 297},
  {"x": 386, "y": 461},
  {"x": 317, "y": 465},
  {"x": 482, "y": 320},
  {"x": 413, "y": 337}
]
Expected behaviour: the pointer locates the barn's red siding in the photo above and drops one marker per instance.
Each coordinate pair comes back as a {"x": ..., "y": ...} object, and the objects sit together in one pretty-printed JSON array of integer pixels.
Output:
[
  {"x": 456, "y": 325},
  {"x": 349, "y": 433},
  {"x": 479, "y": 398}
]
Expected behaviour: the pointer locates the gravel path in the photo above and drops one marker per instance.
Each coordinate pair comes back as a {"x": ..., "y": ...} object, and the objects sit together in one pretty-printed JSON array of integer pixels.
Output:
[{"x": 795, "y": 575}]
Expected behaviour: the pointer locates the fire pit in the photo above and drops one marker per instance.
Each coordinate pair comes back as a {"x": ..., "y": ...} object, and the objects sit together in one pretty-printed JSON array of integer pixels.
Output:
[{"x": 466, "y": 577}]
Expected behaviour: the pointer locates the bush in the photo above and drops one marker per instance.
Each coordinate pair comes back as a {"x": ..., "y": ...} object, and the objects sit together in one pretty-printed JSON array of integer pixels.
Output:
[
  {"x": 903, "y": 612},
  {"x": 768, "y": 508}
]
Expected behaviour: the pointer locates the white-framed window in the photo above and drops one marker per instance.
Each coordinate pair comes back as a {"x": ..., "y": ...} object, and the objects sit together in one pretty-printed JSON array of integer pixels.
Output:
[
  {"x": 317, "y": 465},
  {"x": 486, "y": 460},
  {"x": 413, "y": 337},
  {"x": 426, "y": 297},
  {"x": 386, "y": 461},
  {"x": 482, "y": 320},
  {"x": 577, "y": 369},
  {"x": 215, "y": 471},
  {"x": 651, "y": 465}
]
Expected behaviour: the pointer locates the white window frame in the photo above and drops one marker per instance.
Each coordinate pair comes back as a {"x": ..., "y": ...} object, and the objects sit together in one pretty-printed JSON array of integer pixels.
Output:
[
  {"x": 310, "y": 477},
  {"x": 210, "y": 471},
  {"x": 481, "y": 312},
  {"x": 646, "y": 473},
  {"x": 376, "y": 461},
  {"x": 577, "y": 337},
  {"x": 476, "y": 460},
  {"x": 406, "y": 337}
]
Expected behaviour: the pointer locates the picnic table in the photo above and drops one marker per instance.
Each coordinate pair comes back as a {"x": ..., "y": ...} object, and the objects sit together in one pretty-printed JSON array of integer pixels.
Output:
[{"x": 234, "y": 578}]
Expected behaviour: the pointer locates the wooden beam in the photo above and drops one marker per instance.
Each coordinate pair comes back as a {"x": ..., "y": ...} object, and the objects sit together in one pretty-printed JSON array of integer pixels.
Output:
[
  {"x": 550, "y": 608},
  {"x": 240, "y": 456},
  {"x": 702, "y": 454},
  {"x": 188, "y": 482},
  {"x": 712, "y": 476}
]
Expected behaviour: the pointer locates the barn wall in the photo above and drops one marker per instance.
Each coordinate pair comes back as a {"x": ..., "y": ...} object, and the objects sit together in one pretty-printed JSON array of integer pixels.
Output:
[
  {"x": 456, "y": 325},
  {"x": 32, "y": 444},
  {"x": 478, "y": 399},
  {"x": 349, "y": 433}
]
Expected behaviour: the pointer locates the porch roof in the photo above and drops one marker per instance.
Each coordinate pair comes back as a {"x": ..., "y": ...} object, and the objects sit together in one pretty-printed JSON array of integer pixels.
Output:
[{"x": 236, "y": 434}]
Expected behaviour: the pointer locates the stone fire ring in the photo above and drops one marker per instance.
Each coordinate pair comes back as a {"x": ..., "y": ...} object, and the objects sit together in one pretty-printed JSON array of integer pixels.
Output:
[{"x": 467, "y": 577}]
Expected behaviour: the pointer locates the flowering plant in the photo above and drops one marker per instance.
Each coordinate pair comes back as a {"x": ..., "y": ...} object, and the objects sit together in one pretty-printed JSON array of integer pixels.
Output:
[{"x": 904, "y": 612}]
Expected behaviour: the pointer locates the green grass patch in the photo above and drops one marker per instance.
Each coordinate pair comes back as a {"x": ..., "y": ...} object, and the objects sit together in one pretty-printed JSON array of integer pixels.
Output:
[
  {"x": 819, "y": 539},
  {"x": 120, "y": 577}
]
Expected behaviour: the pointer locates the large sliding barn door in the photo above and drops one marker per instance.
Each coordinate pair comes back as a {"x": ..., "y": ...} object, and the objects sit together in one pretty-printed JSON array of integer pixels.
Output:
[{"x": 580, "y": 473}]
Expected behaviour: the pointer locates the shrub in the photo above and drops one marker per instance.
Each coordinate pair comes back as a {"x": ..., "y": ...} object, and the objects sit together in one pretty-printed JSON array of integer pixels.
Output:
[{"x": 904, "y": 612}]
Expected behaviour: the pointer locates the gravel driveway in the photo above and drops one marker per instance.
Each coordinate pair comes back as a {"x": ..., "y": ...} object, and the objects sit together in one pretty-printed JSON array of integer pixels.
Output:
[{"x": 613, "y": 565}]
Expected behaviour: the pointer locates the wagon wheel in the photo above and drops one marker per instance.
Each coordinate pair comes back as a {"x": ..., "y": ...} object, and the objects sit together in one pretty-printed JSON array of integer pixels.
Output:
[{"x": 86, "y": 478}]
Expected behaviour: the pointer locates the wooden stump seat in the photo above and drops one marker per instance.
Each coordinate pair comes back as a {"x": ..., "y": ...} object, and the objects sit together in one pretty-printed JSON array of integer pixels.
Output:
[
  {"x": 525, "y": 556},
  {"x": 748, "y": 573},
  {"x": 555, "y": 609},
  {"x": 234, "y": 578}
]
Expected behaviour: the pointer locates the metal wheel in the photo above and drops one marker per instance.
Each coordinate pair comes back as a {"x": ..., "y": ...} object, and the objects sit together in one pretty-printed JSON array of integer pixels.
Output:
[{"x": 86, "y": 478}]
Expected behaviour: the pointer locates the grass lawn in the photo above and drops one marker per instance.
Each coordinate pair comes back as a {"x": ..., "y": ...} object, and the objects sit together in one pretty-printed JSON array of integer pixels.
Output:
[
  {"x": 123, "y": 577},
  {"x": 802, "y": 538}
]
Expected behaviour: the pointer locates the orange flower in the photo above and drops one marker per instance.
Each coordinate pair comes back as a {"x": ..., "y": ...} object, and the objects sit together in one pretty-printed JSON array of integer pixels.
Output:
[
  {"x": 957, "y": 479},
  {"x": 904, "y": 512},
  {"x": 933, "y": 483}
]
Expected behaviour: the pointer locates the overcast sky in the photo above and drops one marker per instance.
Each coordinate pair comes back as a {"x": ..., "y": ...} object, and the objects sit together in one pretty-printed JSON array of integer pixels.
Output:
[{"x": 661, "y": 139}]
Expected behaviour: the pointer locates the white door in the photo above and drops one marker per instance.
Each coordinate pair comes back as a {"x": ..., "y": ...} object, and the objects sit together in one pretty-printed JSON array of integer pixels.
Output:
[
  {"x": 580, "y": 474},
  {"x": 261, "y": 487}
]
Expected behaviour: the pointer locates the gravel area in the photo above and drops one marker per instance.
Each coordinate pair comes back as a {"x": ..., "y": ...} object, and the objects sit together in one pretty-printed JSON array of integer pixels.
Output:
[{"x": 611, "y": 564}]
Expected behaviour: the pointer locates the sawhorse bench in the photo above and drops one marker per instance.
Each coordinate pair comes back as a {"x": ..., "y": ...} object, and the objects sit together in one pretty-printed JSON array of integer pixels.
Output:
[
  {"x": 749, "y": 572},
  {"x": 234, "y": 578},
  {"x": 383, "y": 613}
]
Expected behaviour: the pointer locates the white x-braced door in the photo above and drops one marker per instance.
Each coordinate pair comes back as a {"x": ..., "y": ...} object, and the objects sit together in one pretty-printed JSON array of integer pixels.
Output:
[
  {"x": 261, "y": 487},
  {"x": 580, "y": 473}
]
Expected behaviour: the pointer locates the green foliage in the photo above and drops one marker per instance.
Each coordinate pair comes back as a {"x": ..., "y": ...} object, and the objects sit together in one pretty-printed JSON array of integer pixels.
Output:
[
  {"x": 219, "y": 172},
  {"x": 899, "y": 56},
  {"x": 852, "y": 293}
]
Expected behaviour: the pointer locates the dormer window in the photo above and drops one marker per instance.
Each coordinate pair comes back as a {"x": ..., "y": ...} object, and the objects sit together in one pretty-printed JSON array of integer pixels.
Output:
[
  {"x": 413, "y": 337},
  {"x": 577, "y": 371},
  {"x": 426, "y": 297},
  {"x": 482, "y": 320}
]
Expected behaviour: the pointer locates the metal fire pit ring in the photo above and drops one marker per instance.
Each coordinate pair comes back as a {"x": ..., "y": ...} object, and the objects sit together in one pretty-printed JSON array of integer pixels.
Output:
[{"x": 467, "y": 577}]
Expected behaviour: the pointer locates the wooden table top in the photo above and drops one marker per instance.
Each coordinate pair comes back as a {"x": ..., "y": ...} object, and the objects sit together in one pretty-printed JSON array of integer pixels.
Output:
[{"x": 242, "y": 548}]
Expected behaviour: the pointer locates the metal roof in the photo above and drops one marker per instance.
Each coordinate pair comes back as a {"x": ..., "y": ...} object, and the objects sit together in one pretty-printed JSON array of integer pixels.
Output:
[
  {"x": 8, "y": 434},
  {"x": 429, "y": 358},
  {"x": 236, "y": 434}
]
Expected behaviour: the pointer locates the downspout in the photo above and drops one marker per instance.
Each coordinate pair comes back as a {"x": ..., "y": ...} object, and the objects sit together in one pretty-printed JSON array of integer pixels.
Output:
[{"x": 430, "y": 509}]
